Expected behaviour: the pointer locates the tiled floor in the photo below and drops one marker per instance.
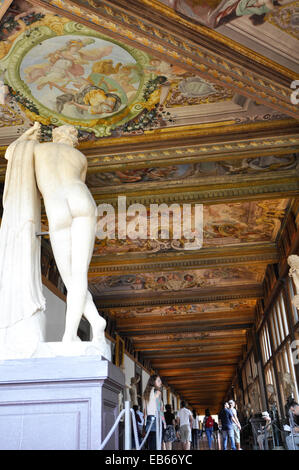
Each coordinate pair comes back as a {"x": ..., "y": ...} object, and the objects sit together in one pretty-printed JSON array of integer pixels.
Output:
[{"x": 202, "y": 444}]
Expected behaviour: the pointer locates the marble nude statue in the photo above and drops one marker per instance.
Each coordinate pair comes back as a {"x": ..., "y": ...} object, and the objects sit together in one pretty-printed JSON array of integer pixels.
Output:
[
  {"x": 57, "y": 171},
  {"x": 293, "y": 261},
  {"x": 133, "y": 390}
]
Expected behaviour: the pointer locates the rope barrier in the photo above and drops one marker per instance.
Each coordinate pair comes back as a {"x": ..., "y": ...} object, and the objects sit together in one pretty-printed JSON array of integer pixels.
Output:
[
  {"x": 243, "y": 427},
  {"x": 135, "y": 429},
  {"x": 148, "y": 431},
  {"x": 112, "y": 430}
]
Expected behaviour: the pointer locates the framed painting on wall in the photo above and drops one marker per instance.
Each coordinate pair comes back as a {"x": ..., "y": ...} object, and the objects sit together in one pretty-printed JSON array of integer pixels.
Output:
[{"x": 119, "y": 351}]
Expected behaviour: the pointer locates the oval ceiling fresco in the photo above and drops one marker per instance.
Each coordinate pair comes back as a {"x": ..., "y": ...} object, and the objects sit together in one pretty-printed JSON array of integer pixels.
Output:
[{"x": 78, "y": 76}]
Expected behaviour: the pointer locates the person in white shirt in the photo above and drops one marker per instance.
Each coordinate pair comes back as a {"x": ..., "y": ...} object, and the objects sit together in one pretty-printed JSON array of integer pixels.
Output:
[
  {"x": 185, "y": 423},
  {"x": 195, "y": 429},
  {"x": 153, "y": 405}
]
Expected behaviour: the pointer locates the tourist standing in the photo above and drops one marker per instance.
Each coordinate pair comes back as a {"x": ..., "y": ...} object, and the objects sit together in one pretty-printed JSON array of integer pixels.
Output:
[
  {"x": 169, "y": 434},
  {"x": 292, "y": 440},
  {"x": 226, "y": 418},
  {"x": 195, "y": 429},
  {"x": 200, "y": 429},
  {"x": 236, "y": 424},
  {"x": 152, "y": 406},
  {"x": 209, "y": 427},
  {"x": 185, "y": 422}
]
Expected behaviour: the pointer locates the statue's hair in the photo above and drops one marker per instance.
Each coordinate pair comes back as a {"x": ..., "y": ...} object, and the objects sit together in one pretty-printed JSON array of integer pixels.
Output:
[
  {"x": 293, "y": 261},
  {"x": 61, "y": 131}
]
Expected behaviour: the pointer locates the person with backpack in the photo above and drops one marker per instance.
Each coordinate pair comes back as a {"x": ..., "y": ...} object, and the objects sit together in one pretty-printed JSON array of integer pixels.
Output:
[{"x": 209, "y": 427}]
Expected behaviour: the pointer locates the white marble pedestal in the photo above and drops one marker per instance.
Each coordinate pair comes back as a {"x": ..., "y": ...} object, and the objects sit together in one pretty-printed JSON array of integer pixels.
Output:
[{"x": 62, "y": 403}]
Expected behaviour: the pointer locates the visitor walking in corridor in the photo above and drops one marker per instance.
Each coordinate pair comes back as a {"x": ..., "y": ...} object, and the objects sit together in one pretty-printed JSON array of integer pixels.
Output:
[
  {"x": 226, "y": 418},
  {"x": 209, "y": 426},
  {"x": 236, "y": 424},
  {"x": 169, "y": 434},
  {"x": 195, "y": 429},
  {"x": 185, "y": 422}
]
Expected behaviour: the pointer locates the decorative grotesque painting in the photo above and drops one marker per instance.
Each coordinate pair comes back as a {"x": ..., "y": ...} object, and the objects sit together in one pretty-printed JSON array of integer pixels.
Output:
[
  {"x": 223, "y": 225},
  {"x": 215, "y": 13},
  {"x": 59, "y": 71},
  {"x": 177, "y": 281},
  {"x": 184, "y": 309},
  {"x": 196, "y": 170}
]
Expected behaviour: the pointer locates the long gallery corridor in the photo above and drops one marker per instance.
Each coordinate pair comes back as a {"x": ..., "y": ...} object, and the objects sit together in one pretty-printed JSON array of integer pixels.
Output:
[{"x": 169, "y": 129}]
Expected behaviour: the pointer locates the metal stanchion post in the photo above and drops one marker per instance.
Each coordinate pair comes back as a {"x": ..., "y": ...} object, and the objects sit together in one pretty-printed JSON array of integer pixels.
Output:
[
  {"x": 158, "y": 430},
  {"x": 292, "y": 425},
  {"x": 128, "y": 435}
]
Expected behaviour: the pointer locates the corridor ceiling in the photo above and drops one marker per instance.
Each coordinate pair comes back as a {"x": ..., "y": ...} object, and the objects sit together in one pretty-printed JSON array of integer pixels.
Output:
[{"x": 202, "y": 114}]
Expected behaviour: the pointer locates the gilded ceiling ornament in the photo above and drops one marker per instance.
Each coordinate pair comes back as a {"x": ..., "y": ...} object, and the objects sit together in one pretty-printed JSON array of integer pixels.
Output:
[
  {"x": 9, "y": 117},
  {"x": 231, "y": 73},
  {"x": 286, "y": 18}
]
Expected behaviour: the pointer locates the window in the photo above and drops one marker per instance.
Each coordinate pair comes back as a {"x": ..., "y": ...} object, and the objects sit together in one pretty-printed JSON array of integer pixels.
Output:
[
  {"x": 252, "y": 386},
  {"x": 278, "y": 322},
  {"x": 271, "y": 389},
  {"x": 282, "y": 310},
  {"x": 265, "y": 344}
]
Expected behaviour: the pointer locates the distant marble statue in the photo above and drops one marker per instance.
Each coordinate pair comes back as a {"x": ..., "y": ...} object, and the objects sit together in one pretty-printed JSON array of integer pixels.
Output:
[
  {"x": 293, "y": 261},
  {"x": 58, "y": 171},
  {"x": 133, "y": 390}
]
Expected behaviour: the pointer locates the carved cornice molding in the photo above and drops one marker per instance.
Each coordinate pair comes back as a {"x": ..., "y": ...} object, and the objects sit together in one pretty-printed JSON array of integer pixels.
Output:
[
  {"x": 211, "y": 196},
  {"x": 179, "y": 186},
  {"x": 189, "y": 331},
  {"x": 174, "y": 299},
  {"x": 177, "y": 264},
  {"x": 203, "y": 140},
  {"x": 213, "y": 66},
  {"x": 158, "y": 13}
]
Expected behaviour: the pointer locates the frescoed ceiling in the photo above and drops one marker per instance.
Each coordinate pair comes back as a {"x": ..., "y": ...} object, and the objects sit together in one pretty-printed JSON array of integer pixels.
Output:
[
  {"x": 269, "y": 26},
  {"x": 176, "y": 102}
]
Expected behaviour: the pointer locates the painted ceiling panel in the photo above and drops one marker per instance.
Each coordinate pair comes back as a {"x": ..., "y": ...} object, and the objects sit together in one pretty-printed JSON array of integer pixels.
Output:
[
  {"x": 59, "y": 71},
  {"x": 267, "y": 26},
  {"x": 177, "y": 281},
  {"x": 223, "y": 225},
  {"x": 185, "y": 309},
  {"x": 250, "y": 166}
]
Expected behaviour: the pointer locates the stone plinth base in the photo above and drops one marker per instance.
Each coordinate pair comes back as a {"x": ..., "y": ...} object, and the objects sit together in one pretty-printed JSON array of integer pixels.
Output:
[
  {"x": 74, "y": 348},
  {"x": 54, "y": 349},
  {"x": 58, "y": 403}
]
